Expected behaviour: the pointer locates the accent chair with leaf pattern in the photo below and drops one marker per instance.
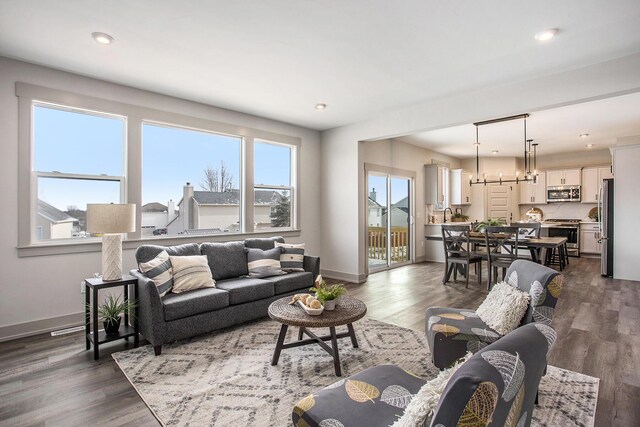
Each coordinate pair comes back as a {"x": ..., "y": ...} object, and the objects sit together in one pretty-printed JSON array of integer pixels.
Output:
[
  {"x": 496, "y": 387},
  {"x": 451, "y": 332}
]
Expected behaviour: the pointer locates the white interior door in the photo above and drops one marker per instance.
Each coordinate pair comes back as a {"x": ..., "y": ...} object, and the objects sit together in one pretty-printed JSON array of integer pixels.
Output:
[{"x": 499, "y": 202}]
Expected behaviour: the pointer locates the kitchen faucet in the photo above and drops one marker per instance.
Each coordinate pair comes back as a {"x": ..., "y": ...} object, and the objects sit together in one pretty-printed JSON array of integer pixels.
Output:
[{"x": 444, "y": 214}]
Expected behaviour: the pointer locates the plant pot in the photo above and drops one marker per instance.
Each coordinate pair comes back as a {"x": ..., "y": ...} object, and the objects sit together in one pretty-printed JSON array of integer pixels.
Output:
[
  {"x": 330, "y": 305},
  {"x": 111, "y": 327},
  {"x": 458, "y": 220}
]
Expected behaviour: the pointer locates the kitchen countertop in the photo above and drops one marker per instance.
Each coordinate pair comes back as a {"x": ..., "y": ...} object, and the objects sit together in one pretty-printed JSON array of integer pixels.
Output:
[{"x": 450, "y": 223}]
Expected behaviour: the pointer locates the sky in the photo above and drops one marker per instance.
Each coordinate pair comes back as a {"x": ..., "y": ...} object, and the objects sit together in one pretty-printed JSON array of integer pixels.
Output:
[
  {"x": 72, "y": 142},
  {"x": 399, "y": 188}
]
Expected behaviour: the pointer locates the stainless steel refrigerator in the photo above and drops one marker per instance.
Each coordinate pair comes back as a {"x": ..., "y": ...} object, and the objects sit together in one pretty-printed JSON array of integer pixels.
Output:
[{"x": 605, "y": 208}]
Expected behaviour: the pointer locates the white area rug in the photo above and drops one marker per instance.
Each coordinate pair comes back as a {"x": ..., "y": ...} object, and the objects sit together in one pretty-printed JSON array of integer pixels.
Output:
[{"x": 226, "y": 378}]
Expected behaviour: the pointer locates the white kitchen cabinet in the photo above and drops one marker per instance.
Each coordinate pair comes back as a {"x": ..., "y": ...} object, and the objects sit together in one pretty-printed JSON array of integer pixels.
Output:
[
  {"x": 460, "y": 188},
  {"x": 534, "y": 194},
  {"x": 565, "y": 177},
  {"x": 589, "y": 235},
  {"x": 592, "y": 181},
  {"x": 436, "y": 186}
]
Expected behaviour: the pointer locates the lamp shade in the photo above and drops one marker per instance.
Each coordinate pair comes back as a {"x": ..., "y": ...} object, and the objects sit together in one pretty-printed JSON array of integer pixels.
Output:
[{"x": 111, "y": 218}]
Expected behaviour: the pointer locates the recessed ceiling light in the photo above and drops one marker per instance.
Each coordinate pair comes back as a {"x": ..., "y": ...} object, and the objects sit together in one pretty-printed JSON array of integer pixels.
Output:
[
  {"x": 494, "y": 152},
  {"x": 545, "y": 35},
  {"x": 583, "y": 135},
  {"x": 102, "y": 38},
  {"x": 321, "y": 106},
  {"x": 589, "y": 145}
]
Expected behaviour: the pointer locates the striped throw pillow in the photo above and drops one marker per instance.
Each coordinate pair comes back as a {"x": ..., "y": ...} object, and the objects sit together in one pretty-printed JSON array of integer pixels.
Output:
[
  {"x": 264, "y": 263},
  {"x": 190, "y": 272},
  {"x": 159, "y": 270},
  {"x": 292, "y": 257}
]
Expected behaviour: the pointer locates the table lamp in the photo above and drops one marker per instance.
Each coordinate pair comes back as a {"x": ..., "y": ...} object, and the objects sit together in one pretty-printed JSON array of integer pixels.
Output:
[{"x": 111, "y": 220}]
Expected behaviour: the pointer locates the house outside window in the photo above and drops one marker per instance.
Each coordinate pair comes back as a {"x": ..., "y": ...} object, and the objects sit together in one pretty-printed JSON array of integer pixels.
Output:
[
  {"x": 78, "y": 159},
  {"x": 190, "y": 181}
]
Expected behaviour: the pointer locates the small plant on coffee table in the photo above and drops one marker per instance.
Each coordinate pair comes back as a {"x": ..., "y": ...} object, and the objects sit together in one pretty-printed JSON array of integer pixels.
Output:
[
  {"x": 328, "y": 294},
  {"x": 110, "y": 312}
]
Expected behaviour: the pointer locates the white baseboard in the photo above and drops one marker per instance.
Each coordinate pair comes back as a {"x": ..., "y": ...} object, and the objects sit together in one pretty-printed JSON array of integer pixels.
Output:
[
  {"x": 36, "y": 327},
  {"x": 347, "y": 277}
]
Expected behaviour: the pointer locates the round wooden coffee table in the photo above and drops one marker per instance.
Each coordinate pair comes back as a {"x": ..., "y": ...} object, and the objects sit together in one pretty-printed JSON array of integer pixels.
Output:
[{"x": 347, "y": 311}]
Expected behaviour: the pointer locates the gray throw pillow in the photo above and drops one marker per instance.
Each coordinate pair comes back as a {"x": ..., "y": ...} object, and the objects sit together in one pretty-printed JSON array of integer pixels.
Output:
[
  {"x": 264, "y": 263},
  {"x": 159, "y": 270},
  {"x": 292, "y": 257}
]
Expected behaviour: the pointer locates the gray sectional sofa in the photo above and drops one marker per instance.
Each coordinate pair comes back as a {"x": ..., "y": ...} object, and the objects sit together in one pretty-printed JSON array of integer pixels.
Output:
[{"x": 235, "y": 299}]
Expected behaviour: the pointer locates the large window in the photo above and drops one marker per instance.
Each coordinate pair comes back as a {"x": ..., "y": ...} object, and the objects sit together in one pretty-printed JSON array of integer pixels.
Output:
[
  {"x": 272, "y": 189},
  {"x": 78, "y": 159},
  {"x": 187, "y": 175},
  {"x": 190, "y": 181}
]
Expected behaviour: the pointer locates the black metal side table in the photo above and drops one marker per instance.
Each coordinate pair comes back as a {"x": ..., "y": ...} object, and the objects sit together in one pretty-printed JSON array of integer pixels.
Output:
[{"x": 91, "y": 316}]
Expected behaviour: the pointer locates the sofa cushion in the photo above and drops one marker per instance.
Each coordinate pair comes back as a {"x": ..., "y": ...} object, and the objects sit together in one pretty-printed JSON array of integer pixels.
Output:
[
  {"x": 263, "y": 243},
  {"x": 146, "y": 253},
  {"x": 264, "y": 263},
  {"x": 374, "y": 397},
  {"x": 246, "y": 289},
  {"x": 179, "y": 306},
  {"x": 291, "y": 282},
  {"x": 226, "y": 260}
]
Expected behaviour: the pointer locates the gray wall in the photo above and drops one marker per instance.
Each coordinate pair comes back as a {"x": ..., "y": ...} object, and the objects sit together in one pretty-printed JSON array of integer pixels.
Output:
[{"x": 43, "y": 293}]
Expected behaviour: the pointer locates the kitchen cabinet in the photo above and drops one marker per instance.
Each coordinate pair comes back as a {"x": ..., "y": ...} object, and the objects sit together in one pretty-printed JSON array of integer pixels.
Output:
[
  {"x": 592, "y": 181},
  {"x": 565, "y": 177},
  {"x": 436, "y": 186},
  {"x": 460, "y": 188},
  {"x": 534, "y": 194},
  {"x": 589, "y": 235}
]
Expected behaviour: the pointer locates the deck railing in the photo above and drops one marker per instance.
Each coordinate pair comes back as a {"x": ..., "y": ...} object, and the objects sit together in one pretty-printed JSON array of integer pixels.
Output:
[{"x": 399, "y": 243}]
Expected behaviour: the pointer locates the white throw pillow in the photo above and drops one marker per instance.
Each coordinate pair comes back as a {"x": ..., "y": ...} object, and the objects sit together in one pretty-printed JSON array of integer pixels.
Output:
[
  {"x": 190, "y": 272},
  {"x": 426, "y": 399},
  {"x": 503, "y": 308}
]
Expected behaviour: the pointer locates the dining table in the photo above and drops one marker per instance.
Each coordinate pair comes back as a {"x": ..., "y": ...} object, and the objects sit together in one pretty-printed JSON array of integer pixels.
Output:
[{"x": 534, "y": 244}]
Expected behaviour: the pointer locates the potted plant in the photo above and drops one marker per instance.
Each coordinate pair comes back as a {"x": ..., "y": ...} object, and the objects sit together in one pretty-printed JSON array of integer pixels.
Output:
[
  {"x": 459, "y": 217},
  {"x": 110, "y": 311},
  {"x": 328, "y": 294},
  {"x": 489, "y": 223}
]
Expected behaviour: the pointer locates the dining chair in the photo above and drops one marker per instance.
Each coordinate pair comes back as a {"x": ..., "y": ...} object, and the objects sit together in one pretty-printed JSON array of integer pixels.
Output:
[
  {"x": 528, "y": 230},
  {"x": 502, "y": 250},
  {"x": 457, "y": 252}
]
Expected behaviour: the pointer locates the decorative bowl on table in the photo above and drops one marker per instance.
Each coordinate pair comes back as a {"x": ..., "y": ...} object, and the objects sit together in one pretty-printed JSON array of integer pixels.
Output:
[{"x": 311, "y": 311}]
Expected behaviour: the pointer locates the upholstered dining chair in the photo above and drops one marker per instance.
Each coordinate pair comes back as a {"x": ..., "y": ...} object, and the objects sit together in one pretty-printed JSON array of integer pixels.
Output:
[
  {"x": 497, "y": 386},
  {"x": 451, "y": 332},
  {"x": 502, "y": 250},
  {"x": 457, "y": 252}
]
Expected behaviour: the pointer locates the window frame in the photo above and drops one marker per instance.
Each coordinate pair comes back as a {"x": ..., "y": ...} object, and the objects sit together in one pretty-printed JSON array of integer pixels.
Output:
[
  {"x": 292, "y": 182},
  {"x": 135, "y": 116}
]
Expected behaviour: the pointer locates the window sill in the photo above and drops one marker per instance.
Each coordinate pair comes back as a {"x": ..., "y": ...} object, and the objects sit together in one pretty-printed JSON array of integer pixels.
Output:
[{"x": 94, "y": 245}]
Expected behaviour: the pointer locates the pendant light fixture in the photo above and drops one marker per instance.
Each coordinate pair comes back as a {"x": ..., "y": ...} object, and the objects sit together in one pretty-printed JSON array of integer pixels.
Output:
[{"x": 530, "y": 155}]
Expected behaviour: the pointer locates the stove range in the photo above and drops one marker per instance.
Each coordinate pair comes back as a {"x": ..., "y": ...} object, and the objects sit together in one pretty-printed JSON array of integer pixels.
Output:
[{"x": 569, "y": 228}]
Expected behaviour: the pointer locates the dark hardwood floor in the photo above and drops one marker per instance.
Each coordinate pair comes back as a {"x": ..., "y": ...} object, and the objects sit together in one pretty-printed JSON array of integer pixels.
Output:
[{"x": 48, "y": 380}]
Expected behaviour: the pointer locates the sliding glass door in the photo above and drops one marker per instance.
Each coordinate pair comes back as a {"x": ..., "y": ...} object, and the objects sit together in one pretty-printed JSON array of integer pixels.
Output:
[{"x": 388, "y": 220}]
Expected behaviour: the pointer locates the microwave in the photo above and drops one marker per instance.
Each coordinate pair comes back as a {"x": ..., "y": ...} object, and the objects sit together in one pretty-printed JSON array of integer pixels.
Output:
[{"x": 563, "y": 194}]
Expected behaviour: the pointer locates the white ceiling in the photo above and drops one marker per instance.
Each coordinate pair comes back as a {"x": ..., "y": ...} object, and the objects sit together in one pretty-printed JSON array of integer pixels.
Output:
[
  {"x": 278, "y": 58},
  {"x": 556, "y": 130}
]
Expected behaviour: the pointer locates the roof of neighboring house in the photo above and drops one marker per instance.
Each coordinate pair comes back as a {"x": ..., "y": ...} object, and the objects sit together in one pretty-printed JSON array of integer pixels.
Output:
[
  {"x": 53, "y": 214},
  {"x": 154, "y": 207},
  {"x": 262, "y": 197},
  {"x": 402, "y": 203},
  {"x": 373, "y": 203}
]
